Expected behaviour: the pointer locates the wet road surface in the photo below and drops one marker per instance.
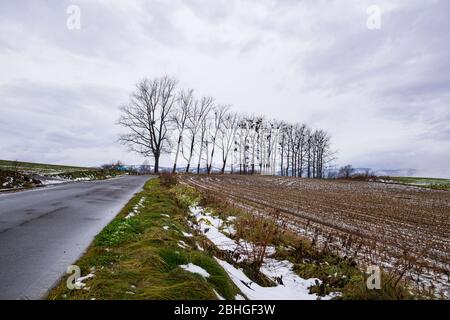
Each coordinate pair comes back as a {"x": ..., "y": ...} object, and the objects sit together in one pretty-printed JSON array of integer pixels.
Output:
[{"x": 44, "y": 230}]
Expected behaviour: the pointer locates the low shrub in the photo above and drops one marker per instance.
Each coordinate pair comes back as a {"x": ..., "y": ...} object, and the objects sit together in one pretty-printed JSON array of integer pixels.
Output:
[
  {"x": 168, "y": 180},
  {"x": 260, "y": 231}
]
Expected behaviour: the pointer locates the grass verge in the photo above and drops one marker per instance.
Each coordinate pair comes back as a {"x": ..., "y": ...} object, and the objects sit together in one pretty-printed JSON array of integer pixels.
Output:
[{"x": 138, "y": 256}]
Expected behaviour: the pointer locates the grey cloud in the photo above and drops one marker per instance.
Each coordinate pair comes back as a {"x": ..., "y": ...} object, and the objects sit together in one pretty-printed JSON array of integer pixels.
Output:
[
  {"x": 384, "y": 95},
  {"x": 54, "y": 121}
]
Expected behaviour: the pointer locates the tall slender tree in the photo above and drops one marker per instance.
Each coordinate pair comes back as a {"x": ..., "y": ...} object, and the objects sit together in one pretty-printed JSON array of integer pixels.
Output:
[
  {"x": 147, "y": 118},
  {"x": 180, "y": 118},
  {"x": 196, "y": 118}
]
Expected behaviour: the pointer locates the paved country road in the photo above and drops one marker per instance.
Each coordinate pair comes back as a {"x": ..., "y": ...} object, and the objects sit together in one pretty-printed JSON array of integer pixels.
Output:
[{"x": 44, "y": 230}]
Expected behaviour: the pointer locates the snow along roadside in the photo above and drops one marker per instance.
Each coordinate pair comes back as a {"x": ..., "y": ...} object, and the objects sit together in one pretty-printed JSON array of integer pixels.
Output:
[{"x": 293, "y": 287}]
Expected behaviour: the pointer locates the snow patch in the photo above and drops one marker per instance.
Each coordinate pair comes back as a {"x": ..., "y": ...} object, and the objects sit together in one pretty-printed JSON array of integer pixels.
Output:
[
  {"x": 53, "y": 182},
  {"x": 183, "y": 244},
  {"x": 79, "y": 283},
  {"x": 135, "y": 211},
  {"x": 293, "y": 290},
  {"x": 289, "y": 286},
  {"x": 218, "y": 295},
  {"x": 195, "y": 269},
  {"x": 209, "y": 226}
]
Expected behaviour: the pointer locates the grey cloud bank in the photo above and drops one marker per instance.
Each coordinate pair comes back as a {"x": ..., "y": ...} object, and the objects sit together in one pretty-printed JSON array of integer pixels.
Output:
[{"x": 382, "y": 94}]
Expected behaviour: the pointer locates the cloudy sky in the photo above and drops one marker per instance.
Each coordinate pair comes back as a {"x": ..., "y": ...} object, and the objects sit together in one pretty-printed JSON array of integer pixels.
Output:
[{"x": 383, "y": 94}]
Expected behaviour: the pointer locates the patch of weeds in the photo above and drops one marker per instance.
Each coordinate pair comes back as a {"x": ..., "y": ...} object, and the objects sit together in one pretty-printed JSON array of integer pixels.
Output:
[
  {"x": 356, "y": 289},
  {"x": 168, "y": 180},
  {"x": 103, "y": 258},
  {"x": 118, "y": 231},
  {"x": 186, "y": 196},
  {"x": 436, "y": 186},
  {"x": 218, "y": 277},
  {"x": 173, "y": 258},
  {"x": 336, "y": 274}
]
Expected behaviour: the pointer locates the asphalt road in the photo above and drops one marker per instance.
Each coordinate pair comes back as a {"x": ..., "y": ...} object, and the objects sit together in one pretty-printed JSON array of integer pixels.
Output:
[{"x": 44, "y": 230}]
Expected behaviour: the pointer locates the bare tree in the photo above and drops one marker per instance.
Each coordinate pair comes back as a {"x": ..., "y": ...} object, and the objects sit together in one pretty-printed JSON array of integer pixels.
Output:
[
  {"x": 220, "y": 112},
  {"x": 258, "y": 145},
  {"x": 276, "y": 128},
  {"x": 282, "y": 142},
  {"x": 227, "y": 136},
  {"x": 196, "y": 118},
  {"x": 202, "y": 142},
  {"x": 322, "y": 148},
  {"x": 346, "y": 171},
  {"x": 257, "y": 126},
  {"x": 301, "y": 148},
  {"x": 147, "y": 118},
  {"x": 145, "y": 167},
  {"x": 242, "y": 142},
  {"x": 309, "y": 146},
  {"x": 180, "y": 118}
]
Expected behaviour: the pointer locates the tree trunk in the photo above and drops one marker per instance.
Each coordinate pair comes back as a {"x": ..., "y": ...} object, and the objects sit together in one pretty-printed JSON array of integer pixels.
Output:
[
  {"x": 156, "y": 163},
  {"x": 176, "y": 154},
  {"x": 191, "y": 150},
  {"x": 222, "y": 171}
]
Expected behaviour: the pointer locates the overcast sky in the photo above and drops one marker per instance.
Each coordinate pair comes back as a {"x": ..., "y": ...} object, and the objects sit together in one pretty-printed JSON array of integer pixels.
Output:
[{"x": 382, "y": 94}]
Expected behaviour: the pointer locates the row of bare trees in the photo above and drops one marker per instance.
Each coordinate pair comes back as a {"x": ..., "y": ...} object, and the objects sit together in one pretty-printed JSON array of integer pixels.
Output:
[
  {"x": 276, "y": 147},
  {"x": 161, "y": 119}
]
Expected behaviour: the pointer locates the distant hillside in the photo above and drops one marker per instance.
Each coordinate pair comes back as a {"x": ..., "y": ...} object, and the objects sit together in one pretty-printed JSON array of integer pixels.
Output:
[
  {"x": 396, "y": 172},
  {"x": 37, "y": 167}
]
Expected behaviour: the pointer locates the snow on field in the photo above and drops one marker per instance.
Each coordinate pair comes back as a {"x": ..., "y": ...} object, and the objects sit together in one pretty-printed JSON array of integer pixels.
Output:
[
  {"x": 83, "y": 179},
  {"x": 47, "y": 181},
  {"x": 50, "y": 182},
  {"x": 290, "y": 286},
  {"x": 57, "y": 180},
  {"x": 296, "y": 290},
  {"x": 195, "y": 269},
  {"x": 9, "y": 182}
]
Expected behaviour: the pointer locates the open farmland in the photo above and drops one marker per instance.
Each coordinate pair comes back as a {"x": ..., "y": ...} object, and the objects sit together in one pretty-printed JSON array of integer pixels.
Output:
[
  {"x": 16, "y": 175},
  {"x": 404, "y": 229},
  {"x": 433, "y": 183},
  {"x": 41, "y": 168}
]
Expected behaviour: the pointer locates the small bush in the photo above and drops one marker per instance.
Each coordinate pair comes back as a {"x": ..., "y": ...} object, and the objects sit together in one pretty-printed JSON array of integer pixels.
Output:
[
  {"x": 260, "y": 231},
  {"x": 168, "y": 180},
  {"x": 186, "y": 196}
]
